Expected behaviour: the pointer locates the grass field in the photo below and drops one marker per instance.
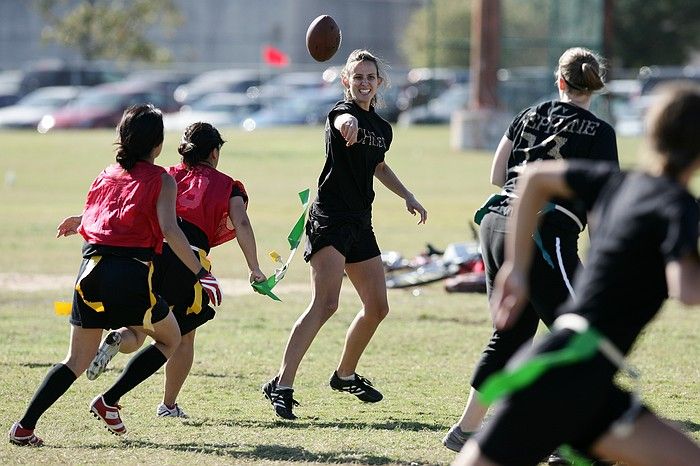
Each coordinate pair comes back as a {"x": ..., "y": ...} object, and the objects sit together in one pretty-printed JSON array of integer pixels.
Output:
[{"x": 421, "y": 357}]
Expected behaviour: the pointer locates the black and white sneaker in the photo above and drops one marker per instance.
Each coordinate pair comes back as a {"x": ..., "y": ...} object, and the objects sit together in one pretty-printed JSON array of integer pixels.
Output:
[
  {"x": 360, "y": 387},
  {"x": 282, "y": 399}
]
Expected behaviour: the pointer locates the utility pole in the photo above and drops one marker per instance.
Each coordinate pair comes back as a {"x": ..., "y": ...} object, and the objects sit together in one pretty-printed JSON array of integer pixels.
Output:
[
  {"x": 482, "y": 124},
  {"x": 485, "y": 53}
]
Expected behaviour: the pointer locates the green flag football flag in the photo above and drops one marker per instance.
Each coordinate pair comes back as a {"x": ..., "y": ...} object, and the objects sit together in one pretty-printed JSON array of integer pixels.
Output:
[{"x": 294, "y": 240}]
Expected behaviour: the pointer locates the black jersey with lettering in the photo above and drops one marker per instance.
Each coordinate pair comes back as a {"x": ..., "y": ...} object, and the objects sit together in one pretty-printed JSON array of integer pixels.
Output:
[
  {"x": 345, "y": 186},
  {"x": 557, "y": 130},
  {"x": 641, "y": 223}
]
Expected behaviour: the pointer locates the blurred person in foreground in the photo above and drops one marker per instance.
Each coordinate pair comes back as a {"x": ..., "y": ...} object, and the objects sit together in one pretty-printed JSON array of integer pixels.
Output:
[
  {"x": 211, "y": 210},
  {"x": 130, "y": 209},
  {"x": 644, "y": 250},
  {"x": 553, "y": 130},
  {"x": 340, "y": 237}
]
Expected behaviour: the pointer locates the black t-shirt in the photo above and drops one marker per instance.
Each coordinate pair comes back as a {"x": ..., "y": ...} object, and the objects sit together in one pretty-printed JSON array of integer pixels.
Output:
[
  {"x": 641, "y": 223},
  {"x": 345, "y": 186},
  {"x": 557, "y": 130}
]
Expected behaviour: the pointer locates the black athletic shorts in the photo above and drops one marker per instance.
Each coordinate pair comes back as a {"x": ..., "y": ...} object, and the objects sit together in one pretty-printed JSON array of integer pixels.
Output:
[
  {"x": 573, "y": 404},
  {"x": 113, "y": 292},
  {"x": 181, "y": 290},
  {"x": 352, "y": 237}
]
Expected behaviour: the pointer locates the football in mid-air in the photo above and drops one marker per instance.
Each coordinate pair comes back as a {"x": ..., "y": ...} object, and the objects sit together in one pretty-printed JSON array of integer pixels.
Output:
[{"x": 323, "y": 38}]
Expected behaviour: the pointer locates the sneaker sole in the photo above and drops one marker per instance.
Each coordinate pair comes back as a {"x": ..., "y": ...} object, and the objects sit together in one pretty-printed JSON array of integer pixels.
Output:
[
  {"x": 373, "y": 400},
  {"x": 267, "y": 388},
  {"x": 23, "y": 443}
]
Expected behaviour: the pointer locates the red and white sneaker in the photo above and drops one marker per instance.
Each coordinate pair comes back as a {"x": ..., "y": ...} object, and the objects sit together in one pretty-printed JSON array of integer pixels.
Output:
[
  {"x": 20, "y": 436},
  {"x": 108, "y": 414}
]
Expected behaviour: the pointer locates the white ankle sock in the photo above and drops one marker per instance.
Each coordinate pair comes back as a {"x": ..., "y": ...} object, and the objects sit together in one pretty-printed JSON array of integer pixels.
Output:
[{"x": 347, "y": 378}]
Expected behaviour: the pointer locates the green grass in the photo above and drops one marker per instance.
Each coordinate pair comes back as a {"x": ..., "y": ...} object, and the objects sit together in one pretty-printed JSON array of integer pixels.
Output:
[{"x": 421, "y": 357}]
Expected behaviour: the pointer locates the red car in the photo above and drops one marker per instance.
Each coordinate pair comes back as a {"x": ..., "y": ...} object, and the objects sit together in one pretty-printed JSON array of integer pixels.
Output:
[{"x": 102, "y": 106}]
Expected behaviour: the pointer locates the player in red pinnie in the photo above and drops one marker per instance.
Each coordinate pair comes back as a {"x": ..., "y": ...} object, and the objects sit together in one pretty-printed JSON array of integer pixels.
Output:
[
  {"x": 130, "y": 209},
  {"x": 211, "y": 210}
]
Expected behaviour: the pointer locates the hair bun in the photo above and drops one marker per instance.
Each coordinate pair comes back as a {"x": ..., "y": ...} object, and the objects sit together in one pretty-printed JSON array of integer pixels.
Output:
[{"x": 186, "y": 147}]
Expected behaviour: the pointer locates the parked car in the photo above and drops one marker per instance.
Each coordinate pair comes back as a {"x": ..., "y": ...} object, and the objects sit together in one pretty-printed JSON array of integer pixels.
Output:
[
  {"x": 439, "y": 110},
  {"x": 167, "y": 80},
  {"x": 221, "y": 110},
  {"x": 424, "y": 84},
  {"x": 285, "y": 84},
  {"x": 301, "y": 108},
  {"x": 211, "y": 82},
  {"x": 30, "y": 109},
  {"x": 102, "y": 106},
  {"x": 9, "y": 87},
  {"x": 61, "y": 74}
]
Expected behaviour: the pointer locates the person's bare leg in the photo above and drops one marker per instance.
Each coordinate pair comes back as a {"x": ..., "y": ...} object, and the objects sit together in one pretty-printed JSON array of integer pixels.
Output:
[
  {"x": 474, "y": 413},
  {"x": 326, "y": 279},
  {"x": 178, "y": 368},
  {"x": 651, "y": 442},
  {"x": 471, "y": 456},
  {"x": 368, "y": 279},
  {"x": 131, "y": 339},
  {"x": 165, "y": 333},
  {"x": 83, "y": 346}
]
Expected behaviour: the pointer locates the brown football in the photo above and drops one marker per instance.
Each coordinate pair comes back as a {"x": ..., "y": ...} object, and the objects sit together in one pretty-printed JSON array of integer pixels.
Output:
[{"x": 323, "y": 38}]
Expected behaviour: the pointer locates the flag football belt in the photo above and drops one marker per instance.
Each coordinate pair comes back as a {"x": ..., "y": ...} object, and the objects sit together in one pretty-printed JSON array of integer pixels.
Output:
[
  {"x": 583, "y": 345},
  {"x": 294, "y": 239}
]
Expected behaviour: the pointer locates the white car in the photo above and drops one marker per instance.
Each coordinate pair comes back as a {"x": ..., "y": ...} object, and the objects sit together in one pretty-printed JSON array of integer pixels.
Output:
[
  {"x": 31, "y": 108},
  {"x": 220, "y": 109}
]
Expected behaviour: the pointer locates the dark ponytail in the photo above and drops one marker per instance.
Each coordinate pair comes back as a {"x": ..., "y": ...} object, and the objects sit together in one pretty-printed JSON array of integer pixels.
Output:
[
  {"x": 138, "y": 133},
  {"x": 197, "y": 143}
]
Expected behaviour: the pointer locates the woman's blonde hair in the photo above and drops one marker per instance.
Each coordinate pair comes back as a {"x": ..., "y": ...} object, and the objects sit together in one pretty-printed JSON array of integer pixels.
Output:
[
  {"x": 582, "y": 70},
  {"x": 365, "y": 55}
]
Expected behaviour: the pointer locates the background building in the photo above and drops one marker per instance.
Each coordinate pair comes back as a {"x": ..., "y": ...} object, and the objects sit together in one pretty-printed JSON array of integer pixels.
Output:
[{"x": 231, "y": 33}]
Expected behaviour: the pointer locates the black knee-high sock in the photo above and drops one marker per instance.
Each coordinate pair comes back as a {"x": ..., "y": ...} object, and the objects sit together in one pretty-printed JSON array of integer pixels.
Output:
[
  {"x": 139, "y": 368},
  {"x": 55, "y": 384}
]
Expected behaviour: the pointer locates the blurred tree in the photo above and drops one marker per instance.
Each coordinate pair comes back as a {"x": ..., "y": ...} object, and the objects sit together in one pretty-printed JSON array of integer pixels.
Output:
[
  {"x": 438, "y": 34},
  {"x": 528, "y": 35},
  {"x": 109, "y": 29},
  {"x": 674, "y": 26}
]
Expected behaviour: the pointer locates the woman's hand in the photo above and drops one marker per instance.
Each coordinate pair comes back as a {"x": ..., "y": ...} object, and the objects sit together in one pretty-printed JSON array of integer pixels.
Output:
[
  {"x": 348, "y": 129},
  {"x": 256, "y": 276},
  {"x": 69, "y": 226},
  {"x": 414, "y": 207}
]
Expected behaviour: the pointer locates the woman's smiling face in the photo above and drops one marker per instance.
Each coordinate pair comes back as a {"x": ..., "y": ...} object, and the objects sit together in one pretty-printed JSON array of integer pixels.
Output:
[{"x": 363, "y": 81}]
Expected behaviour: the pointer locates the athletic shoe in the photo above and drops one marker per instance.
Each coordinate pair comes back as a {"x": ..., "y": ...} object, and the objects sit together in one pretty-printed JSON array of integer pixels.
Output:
[
  {"x": 108, "y": 348},
  {"x": 282, "y": 399},
  {"x": 359, "y": 386},
  {"x": 175, "y": 411},
  {"x": 20, "y": 436},
  {"x": 556, "y": 459},
  {"x": 108, "y": 414},
  {"x": 456, "y": 438}
]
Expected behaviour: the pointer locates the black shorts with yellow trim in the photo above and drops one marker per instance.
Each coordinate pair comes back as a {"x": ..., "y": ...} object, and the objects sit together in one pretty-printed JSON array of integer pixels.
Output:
[
  {"x": 181, "y": 290},
  {"x": 115, "y": 291}
]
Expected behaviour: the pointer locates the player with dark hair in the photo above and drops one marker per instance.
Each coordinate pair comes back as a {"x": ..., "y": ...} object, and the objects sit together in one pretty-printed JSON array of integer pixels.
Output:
[
  {"x": 340, "y": 236},
  {"x": 130, "y": 208},
  {"x": 557, "y": 129},
  {"x": 211, "y": 209},
  {"x": 645, "y": 249}
]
